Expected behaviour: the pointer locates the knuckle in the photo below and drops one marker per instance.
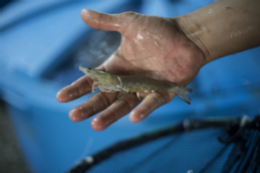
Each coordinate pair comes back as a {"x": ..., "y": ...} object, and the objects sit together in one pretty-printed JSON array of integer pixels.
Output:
[
  {"x": 128, "y": 14},
  {"x": 103, "y": 99},
  {"x": 81, "y": 86},
  {"x": 126, "y": 104},
  {"x": 77, "y": 89},
  {"x": 166, "y": 98},
  {"x": 144, "y": 108},
  {"x": 87, "y": 83},
  {"x": 161, "y": 99},
  {"x": 156, "y": 98},
  {"x": 72, "y": 92},
  {"x": 100, "y": 18},
  {"x": 114, "y": 115}
]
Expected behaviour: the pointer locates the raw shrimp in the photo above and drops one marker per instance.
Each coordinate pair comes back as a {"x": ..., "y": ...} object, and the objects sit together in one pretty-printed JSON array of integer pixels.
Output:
[{"x": 108, "y": 82}]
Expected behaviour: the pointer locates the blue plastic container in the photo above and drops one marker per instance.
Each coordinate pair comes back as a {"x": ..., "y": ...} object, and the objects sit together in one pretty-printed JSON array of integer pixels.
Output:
[{"x": 39, "y": 44}]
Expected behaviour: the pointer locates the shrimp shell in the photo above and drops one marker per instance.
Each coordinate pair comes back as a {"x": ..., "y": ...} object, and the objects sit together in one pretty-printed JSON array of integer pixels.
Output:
[{"x": 108, "y": 82}]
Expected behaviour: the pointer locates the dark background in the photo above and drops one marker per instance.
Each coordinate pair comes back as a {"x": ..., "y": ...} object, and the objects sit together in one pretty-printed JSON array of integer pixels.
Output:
[{"x": 11, "y": 159}]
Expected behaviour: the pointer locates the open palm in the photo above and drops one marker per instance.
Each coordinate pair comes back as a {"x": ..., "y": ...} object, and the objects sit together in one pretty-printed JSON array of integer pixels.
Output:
[{"x": 152, "y": 46}]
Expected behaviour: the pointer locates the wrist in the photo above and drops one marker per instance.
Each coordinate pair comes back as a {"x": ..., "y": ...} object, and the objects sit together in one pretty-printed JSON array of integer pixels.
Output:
[
  {"x": 223, "y": 27},
  {"x": 195, "y": 32}
]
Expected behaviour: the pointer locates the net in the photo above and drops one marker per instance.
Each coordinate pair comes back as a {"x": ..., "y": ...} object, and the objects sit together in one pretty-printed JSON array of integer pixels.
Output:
[{"x": 229, "y": 145}]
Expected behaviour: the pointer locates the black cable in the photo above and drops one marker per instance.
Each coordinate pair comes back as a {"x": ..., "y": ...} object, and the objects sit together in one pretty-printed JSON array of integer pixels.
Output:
[{"x": 184, "y": 126}]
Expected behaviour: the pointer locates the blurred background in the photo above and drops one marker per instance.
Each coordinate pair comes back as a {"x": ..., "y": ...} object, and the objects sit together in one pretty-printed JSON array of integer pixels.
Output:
[{"x": 42, "y": 43}]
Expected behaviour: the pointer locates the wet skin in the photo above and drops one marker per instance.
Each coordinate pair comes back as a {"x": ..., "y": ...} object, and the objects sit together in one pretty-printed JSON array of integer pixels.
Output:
[
  {"x": 170, "y": 49},
  {"x": 152, "y": 46}
]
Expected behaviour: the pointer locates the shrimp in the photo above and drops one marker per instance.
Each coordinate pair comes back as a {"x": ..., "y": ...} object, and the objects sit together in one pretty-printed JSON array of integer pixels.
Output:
[{"x": 108, "y": 82}]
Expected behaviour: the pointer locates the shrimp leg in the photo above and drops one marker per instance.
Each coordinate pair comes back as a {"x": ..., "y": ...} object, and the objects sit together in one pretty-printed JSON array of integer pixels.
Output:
[
  {"x": 138, "y": 96},
  {"x": 94, "y": 86},
  {"x": 105, "y": 89}
]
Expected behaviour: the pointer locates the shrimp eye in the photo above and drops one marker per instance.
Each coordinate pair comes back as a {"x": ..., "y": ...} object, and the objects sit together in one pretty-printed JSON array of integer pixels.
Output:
[{"x": 89, "y": 68}]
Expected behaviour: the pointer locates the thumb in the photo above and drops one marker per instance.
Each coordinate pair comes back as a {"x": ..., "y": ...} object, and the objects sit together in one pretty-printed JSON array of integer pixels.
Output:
[{"x": 102, "y": 21}]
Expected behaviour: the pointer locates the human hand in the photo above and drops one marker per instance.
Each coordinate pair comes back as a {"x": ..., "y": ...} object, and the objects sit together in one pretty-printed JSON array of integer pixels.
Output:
[{"x": 152, "y": 46}]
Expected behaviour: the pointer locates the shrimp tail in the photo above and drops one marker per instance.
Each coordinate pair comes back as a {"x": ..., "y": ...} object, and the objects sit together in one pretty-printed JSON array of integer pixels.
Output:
[{"x": 182, "y": 93}]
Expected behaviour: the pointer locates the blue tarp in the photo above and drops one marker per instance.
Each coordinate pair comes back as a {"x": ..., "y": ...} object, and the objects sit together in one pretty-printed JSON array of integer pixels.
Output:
[{"x": 37, "y": 39}]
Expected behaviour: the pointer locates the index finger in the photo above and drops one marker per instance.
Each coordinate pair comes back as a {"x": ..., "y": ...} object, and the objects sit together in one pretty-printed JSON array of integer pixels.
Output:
[{"x": 77, "y": 89}]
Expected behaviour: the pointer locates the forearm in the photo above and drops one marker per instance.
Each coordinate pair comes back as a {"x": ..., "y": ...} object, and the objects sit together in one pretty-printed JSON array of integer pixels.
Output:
[{"x": 223, "y": 27}]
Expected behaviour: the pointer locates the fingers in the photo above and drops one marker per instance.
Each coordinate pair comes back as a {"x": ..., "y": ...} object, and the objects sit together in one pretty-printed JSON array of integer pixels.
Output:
[
  {"x": 148, "y": 105},
  {"x": 100, "y": 20},
  {"x": 113, "y": 107},
  {"x": 117, "y": 110},
  {"x": 94, "y": 105},
  {"x": 109, "y": 22},
  {"x": 77, "y": 89}
]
